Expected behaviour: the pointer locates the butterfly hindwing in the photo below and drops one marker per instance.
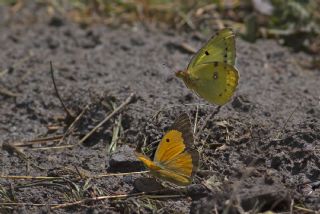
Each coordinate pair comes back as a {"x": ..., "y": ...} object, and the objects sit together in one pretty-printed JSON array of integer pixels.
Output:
[
  {"x": 215, "y": 82},
  {"x": 185, "y": 164},
  {"x": 220, "y": 48}
]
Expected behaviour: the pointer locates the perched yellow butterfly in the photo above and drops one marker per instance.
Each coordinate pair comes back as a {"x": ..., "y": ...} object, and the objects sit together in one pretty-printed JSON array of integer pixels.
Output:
[
  {"x": 211, "y": 73},
  {"x": 175, "y": 159}
]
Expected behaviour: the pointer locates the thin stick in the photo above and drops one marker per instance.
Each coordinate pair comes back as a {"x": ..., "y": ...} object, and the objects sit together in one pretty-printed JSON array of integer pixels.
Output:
[
  {"x": 304, "y": 209},
  {"x": 57, "y": 93},
  {"x": 196, "y": 121},
  {"x": 115, "y": 135},
  {"x": 119, "y": 174},
  {"x": 26, "y": 204},
  {"x": 65, "y": 205},
  {"x": 113, "y": 197},
  {"x": 14, "y": 149},
  {"x": 217, "y": 110},
  {"x": 17, "y": 177},
  {"x": 125, "y": 103},
  {"x": 286, "y": 122},
  {"x": 73, "y": 124},
  {"x": 37, "y": 141},
  {"x": 8, "y": 93},
  {"x": 97, "y": 199},
  {"x": 51, "y": 147}
]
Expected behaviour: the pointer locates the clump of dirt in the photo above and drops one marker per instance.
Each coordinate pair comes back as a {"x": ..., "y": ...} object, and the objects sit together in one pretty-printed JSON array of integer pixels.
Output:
[{"x": 260, "y": 152}]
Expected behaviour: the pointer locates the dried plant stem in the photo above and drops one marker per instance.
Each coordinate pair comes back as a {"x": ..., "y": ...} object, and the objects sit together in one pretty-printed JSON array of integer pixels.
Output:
[
  {"x": 118, "y": 109},
  {"x": 57, "y": 93}
]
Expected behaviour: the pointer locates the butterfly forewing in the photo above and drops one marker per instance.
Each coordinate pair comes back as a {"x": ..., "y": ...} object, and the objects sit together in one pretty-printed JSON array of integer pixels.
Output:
[
  {"x": 220, "y": 48},
  {"x": 183, "y": 125},
  {"x": 169, "y": 147}
]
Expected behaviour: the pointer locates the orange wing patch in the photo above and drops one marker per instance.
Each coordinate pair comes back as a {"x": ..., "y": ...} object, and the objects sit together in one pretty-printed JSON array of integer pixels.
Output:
[{"x": 174, "y": 160}]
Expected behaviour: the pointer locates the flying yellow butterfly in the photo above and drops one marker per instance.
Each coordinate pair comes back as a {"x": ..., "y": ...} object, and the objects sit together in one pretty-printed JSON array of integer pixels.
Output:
[
  {"x": 175, "y": 159},
  {"x": 211, "y": 73}
]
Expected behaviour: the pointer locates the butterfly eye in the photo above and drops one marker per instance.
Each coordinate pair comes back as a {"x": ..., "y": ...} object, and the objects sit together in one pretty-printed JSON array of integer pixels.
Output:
[{"x": 207, "y": 53}]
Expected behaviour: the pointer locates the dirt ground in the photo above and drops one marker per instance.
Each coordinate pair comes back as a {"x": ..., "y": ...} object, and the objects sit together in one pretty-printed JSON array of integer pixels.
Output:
[{"x": 260, "y": 152}]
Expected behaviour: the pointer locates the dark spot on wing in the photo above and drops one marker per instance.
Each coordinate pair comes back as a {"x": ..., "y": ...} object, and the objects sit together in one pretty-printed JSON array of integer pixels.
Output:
[
  {"x": 220, "y": 95},
  {"x": 215, "y": 64},
  {"x": 207, "y": 53},
  {"x": 215, "y": 75},
  {"x": 167, "y": 140}
]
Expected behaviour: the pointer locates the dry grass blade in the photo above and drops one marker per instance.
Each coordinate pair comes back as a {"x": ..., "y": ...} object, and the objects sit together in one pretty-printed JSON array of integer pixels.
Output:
[
  {"x": 87, "y": 200},
  {"x": 25, "y": 177},
  {"x": 286, "y": 123},
  {"x": 115, "y": 135},
  {"x": 6, "y": 92},
  {"x": 13, "y": 177},
  {"x": 214, "y": 113},
  {"x": 73, "y": 124},
  {"x": 14, "y": 149},
  {"x": 52, "y": 147},
  {"x": 117, "y": 110},
  {"x": 37, "y": 141},
  {"x": 119, "y": 174}
]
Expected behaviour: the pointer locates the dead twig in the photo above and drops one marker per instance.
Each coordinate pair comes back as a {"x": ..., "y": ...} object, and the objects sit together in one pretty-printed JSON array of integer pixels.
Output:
[
  {"x": 52, "y": 147},
  {"x": 118, "y": 174},
  {"x": 14, "y": 149},
  {"x": 57, "y": 93},
  {"x": 26, "y": 177},
  {"x": 118, "y": 109},
  {"x": 37, "y": 141},
  {"x": 16, "y": 177},
  {"x": 286, "y": 123},
  {"x": 73, "y": 124},
  {"x": 115, "y": 135},
  {"x": 8, "y": 93},
  {"x": 87, "y": 200}
]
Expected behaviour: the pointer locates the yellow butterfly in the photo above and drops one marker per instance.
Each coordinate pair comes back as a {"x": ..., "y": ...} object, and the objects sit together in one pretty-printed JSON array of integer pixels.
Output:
[
  {"x": 175, "y": 159},
  {"x": 211, "y": 73}
]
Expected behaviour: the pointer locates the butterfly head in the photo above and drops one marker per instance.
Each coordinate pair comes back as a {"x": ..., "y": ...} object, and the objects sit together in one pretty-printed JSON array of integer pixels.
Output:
[
  {"x": 182, "y": 74},
  {"x": 186, "y": 78}
]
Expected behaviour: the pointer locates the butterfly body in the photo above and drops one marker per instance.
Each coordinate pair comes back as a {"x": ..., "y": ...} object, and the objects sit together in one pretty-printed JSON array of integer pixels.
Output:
[
  {"x": 211, "y": 73},
  {"x": 175, "y": 160}
]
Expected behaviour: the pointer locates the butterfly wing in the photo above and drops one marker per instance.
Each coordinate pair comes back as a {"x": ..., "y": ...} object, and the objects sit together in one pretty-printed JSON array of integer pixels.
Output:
[
  {"x": 180, "y": 170},
  {"x": 175, "y": 160},
  {"x": 175, "y": 141},
  {"x": 147, "y": 162},
  {"x": 215, "y": 82},
  {"x": 180, "y": 174},
  {"x": 220, "y": 48}
]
